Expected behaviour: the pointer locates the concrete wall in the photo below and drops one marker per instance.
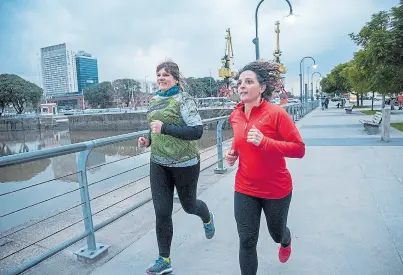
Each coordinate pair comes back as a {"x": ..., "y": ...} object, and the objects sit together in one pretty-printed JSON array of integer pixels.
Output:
[
  {"x": 95, "y": 122},
  {"x": 126, "y": 121},
  {"x": 29, "y": 123}
]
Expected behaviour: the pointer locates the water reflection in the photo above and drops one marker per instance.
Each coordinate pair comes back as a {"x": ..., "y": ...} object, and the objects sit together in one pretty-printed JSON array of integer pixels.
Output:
[
  {"x": 20, "y": 142},
  {"x": 24, "y": 171},
  {"x": 63, "y": 170}
]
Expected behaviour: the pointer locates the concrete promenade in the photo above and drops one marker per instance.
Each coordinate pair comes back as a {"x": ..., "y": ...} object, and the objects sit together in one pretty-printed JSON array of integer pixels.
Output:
[{"x": 346, "y": 214}]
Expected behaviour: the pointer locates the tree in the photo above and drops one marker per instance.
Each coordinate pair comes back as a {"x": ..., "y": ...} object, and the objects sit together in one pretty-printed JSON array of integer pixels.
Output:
[
  {"x": 35, "y": 95},
  {"x": 4, "y": 98},
  {"x": 202, "y": 87},
  {"x": 125, "y": 88},
  {"x": 336, "y": 82},
  {"x": 358, "y": 78},
  {"x": 382, "y": 53},
  {"x": 5, "y": 91},
  {"x": 99, "y": 95},
  {"x": 19, "y": 92},
  {"x": 396, "y": 55},
  {"x": 340, "y": 81},
  {"x": 380, "y": 22},
  {"x": 327, "y": 85}
]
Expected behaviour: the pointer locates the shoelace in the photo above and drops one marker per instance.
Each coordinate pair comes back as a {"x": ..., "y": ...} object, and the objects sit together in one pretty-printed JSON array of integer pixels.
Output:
[
  {"x": 160, "y": 261},
  {"x": 208, "y": 226}
]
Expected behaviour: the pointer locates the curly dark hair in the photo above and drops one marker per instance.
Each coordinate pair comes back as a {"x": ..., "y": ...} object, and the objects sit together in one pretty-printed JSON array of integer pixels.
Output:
[
  {"x": 267, "y": 73},
  {"x": 173, "y": 69}
]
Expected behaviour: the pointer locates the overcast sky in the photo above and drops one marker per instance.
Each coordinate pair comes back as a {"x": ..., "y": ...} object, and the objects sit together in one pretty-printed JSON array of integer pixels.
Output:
[{"x": 130, "y": 37}]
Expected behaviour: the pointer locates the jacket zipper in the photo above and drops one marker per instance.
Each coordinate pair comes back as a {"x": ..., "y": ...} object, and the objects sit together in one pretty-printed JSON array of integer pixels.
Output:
[
  {"x": 247, "y": 122},
  {"x": 245, "y": 135}
]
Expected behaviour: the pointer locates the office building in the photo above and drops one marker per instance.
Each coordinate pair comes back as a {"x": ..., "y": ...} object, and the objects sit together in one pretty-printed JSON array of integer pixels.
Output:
[
  {"x": 87, "y": 70},
  {"x": 59, "y": 74}
]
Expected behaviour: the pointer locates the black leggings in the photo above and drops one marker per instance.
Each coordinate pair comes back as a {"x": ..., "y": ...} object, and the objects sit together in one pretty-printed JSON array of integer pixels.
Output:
[
  {"x": 162, "y": 180},
  {"x": 247, "y": 215}
]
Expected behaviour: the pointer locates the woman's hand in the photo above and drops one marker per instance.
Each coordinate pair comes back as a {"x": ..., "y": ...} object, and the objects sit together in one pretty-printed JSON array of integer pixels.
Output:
[
  {"x": 156, "y": 126},
  {"x": 231, "y": 156},
  {"x": 255, "y": 136},
  {"x": 143, "y": 142}
]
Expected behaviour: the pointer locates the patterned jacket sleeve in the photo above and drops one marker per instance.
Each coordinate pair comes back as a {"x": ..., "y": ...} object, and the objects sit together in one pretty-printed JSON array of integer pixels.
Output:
[{"x": 193, "y": 130}]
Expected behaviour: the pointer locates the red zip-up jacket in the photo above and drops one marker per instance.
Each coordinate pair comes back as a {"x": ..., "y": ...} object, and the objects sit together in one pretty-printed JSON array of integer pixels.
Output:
[{"x": 262, "y": 170}]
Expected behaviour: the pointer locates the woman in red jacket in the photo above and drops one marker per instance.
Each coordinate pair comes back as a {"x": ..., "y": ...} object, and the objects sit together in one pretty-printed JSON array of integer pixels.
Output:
[{"x": 264, "y": 135}]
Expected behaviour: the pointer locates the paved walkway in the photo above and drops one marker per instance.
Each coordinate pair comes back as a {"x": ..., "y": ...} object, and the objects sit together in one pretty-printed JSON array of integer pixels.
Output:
[{"x": 346, "y": 214}]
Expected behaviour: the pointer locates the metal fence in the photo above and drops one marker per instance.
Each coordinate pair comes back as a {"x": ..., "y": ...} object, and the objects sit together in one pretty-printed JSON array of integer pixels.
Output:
[
  {"x": 299, "y": 110},
  {"x": 94, "y": 250}
]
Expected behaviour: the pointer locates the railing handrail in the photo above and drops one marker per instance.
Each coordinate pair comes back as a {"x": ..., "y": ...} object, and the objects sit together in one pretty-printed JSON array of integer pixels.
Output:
[{"x": 78, "y": 147}]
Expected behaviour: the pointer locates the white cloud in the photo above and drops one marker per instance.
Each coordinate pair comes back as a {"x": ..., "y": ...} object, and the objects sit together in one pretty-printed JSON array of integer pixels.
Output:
[{"x": 130, "y": 38}]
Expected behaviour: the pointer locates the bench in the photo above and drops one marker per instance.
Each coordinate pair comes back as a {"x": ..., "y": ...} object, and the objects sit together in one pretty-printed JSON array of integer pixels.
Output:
[
  {"x": 372, "y": 126},
  {"x": 349, "y": 109}
]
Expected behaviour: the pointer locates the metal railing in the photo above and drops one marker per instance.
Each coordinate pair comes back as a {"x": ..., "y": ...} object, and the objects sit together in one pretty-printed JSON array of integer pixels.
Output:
[
  {"x": 93, "y": 250},
  {"x": 298, "y": 110}
]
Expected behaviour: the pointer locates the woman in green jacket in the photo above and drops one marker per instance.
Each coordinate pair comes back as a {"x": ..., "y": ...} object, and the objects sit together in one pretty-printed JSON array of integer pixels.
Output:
[{"x": 175, "y": 161}]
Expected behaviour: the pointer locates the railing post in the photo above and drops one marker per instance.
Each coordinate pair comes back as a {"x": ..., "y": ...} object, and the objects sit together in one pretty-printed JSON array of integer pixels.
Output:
[
  {"x": 301, "y": 115},
  {"x": 292, "y": 113},
  {"x": 220, "y": 164},
  {"x": 299, "y": 111},
  {"x": 92, "y": 251}
]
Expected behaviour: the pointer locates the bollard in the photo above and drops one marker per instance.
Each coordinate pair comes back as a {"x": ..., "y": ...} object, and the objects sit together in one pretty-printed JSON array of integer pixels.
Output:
[
  {"x": 92, "y": 251},
  {"x": 220, "y": 164},
  {"x": 385, "y": 124}
]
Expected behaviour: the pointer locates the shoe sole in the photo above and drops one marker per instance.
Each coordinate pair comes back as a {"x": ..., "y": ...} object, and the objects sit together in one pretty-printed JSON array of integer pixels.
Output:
[
  {"x": 212, "y": 218},
  {"x": 285, "y": 259},
  {"x": 166, "y": 271}
]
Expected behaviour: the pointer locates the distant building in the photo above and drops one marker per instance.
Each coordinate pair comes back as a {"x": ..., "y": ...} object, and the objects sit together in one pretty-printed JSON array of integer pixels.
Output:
[
  {"x": 154, "y": 87},
  {"x": 59, "y": 74},
  {"x": 87, "y": 70},
  {"x": 48, "y": 109},
  {"x": 148, "y": 87}
]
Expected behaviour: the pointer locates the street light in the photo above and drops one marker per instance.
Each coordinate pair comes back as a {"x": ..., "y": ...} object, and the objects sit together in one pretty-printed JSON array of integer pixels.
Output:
[
  {"x": 306, "y": 85},
  {"x": 256, "y": 39},
  {"x": 300, "y": 73},
  {"x": 312, "y": 82}
]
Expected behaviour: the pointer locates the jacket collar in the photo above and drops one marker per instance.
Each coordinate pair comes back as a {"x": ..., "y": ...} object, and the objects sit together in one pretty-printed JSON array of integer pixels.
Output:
[
  {"x": 172, "y": 91},
  {"x": 263, "y": 103}
]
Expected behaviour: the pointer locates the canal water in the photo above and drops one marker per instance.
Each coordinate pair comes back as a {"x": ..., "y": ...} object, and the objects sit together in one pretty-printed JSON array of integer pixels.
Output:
[{"x": 57, "y": 176}]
